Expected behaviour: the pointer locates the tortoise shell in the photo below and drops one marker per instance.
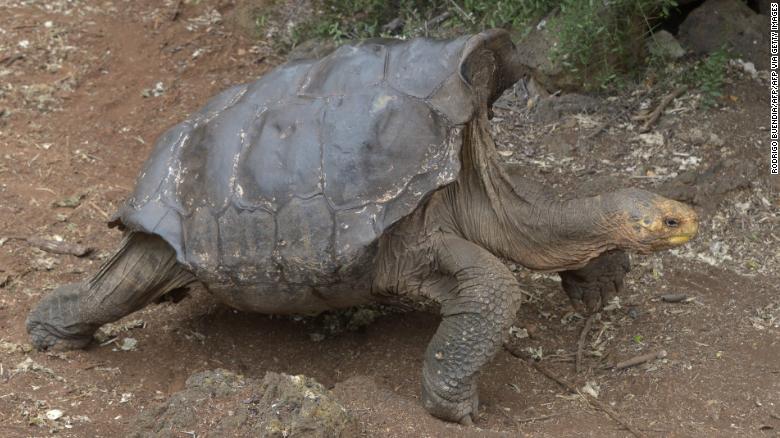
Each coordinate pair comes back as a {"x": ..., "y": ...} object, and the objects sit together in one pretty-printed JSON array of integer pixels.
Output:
[{"x": 293, "y": 178}]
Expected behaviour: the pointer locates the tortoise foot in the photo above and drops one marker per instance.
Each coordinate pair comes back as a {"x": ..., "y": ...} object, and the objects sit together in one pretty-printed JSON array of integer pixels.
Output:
[
  {"x": 459, "y": 409},
  {"x": 54, "y": 323}
]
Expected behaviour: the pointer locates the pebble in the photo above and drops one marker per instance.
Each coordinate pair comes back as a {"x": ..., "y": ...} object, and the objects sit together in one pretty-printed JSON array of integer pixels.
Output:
[
  {"x": 128, "y": 344},
  {"x": 53, "y": 414}
]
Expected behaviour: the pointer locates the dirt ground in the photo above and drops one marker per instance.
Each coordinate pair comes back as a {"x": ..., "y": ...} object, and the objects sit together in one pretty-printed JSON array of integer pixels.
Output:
[{"x": 87, "y": 86}]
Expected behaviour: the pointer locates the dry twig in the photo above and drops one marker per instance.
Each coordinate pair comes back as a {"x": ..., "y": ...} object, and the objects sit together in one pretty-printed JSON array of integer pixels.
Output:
[
  {"x": 55, "y": 246},
  {"x": 606, "y": 124},
  {"x": 434, "y": 22},
  {"x": 439, "y": 19},
  {"x": 99, "y": 210},
  {"x": 176, "y": 10},
  {"x": 639, "y": 360},
  {"x": 673, "y": 298},
  {"x": 532, "y": 419},
  {"x": 93, "y": 366},
  {"x": 603, "y": 126},
  {"x": 506, "y": 107},
  {"x": 571, "y": 388},
  {"x": 465, "y": 15},
  {"x": 653, "y": 117},
  {"x": 58, "y": 247},
  {"x": 9, "y": 60},
  {"x": 581, "y": 342}
]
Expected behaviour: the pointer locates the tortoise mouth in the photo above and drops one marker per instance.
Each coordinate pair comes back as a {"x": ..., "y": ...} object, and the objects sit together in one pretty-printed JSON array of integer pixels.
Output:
[
  {"x": 677, "y": 239},
  {"x": 680, "y": 239}
]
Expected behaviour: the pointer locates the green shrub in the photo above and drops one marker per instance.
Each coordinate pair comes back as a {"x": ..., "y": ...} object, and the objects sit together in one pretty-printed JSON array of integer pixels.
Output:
[
  {"x": 603, "y": 40},
  {"x": 708, "y": 76},
  {"x": 352, "y": 19}
]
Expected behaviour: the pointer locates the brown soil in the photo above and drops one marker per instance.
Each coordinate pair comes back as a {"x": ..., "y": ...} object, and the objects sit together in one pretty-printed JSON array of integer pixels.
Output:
[{"x": 76, "y": 123}]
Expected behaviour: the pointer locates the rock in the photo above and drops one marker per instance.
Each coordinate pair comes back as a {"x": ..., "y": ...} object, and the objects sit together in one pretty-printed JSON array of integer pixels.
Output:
[
  {"x": 221, "y": 403},
  {"x": 7, "y": 347},
  {"x": 714, "y": 140},
  {"x": 727, "y": 22},
  {"x": 764, "y": 6},
  {"x": 591, "y": 388},
  {"x": 534, "y": 51},
  {"x": 394, "y": 26},
  {"x": 651, "y": 139},
  {"x": 664, "y": 45},
  {"x": 518, "y": 332},
  {"x": 709, "y": 187},
  {"x": 695, "y": 136},
  {"x": 553, "y": 108},
  {"x": 747, "y": 67},
  {"x": 128, "y": 344},
  {"x": 156, "y": 91},
  {"x": 561, "y": 144},
  {"x": 53, "y": 414},
  {"x": 301, "y": 406},
  {"x": 313, "y": 48}
]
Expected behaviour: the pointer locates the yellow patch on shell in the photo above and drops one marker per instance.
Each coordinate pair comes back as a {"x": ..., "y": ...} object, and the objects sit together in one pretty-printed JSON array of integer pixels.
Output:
[{"x": 381, "y": 102}]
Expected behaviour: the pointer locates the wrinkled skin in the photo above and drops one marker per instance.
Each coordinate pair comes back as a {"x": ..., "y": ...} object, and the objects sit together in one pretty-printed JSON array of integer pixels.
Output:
[{"x": 447, "y": 251}]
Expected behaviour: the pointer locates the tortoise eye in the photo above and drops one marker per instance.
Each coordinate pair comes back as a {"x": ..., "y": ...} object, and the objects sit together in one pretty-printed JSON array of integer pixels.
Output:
[{"x": 671, "y": 222}]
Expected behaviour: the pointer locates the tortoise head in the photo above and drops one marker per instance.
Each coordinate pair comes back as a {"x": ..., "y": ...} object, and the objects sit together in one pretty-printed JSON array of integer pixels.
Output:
[{"x": 650, "y": 222}]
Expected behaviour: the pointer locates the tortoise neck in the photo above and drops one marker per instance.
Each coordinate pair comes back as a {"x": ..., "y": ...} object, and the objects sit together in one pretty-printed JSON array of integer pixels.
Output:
[{"x": 519, "y": 219}]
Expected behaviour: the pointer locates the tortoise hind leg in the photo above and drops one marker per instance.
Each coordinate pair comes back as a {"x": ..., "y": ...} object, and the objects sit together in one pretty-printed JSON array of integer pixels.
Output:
[{"x": 143, "y": 269}]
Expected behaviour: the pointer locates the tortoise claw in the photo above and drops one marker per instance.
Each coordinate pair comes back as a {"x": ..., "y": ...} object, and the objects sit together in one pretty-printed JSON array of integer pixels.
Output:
[
  {"x": 466, "y": 421},
  {"x": 458, "y": 410},
  {"x": 54, "y": 323}
]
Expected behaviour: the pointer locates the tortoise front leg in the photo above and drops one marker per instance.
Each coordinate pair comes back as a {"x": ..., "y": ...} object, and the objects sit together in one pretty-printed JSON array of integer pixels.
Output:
[
  {"x": 596, "y": 283},
  {"x": 477, "y": 311}
]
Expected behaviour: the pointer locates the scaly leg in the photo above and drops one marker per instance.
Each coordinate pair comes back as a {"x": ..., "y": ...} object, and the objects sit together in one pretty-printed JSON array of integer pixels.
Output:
[
  {"x": 140, "y": 271},
  {"x": 477, "y": 313}
]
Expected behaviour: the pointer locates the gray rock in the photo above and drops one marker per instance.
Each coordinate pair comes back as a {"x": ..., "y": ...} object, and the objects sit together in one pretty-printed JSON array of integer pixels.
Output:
[
  {"x": 553, "y": 108},
  {"x": 708, "y": 187},
  {"x": 534, "y": 51},
  {"x": 221, "y": 403},
  {"x": 763, "y": 6},
  {"x": 312, "y": 49},
  {"x": 694, "y": 136},
  {"x": 664, "y": 45},
  {"x": 728, "y": 22}
]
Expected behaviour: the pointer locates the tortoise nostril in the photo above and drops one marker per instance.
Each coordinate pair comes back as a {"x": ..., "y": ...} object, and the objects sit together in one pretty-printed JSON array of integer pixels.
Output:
[{"x": 671, "y": 222}]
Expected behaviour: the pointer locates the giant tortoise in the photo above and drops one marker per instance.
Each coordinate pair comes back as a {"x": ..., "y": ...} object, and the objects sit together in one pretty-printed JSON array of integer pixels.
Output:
[{"x": 366, "y": 176}]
